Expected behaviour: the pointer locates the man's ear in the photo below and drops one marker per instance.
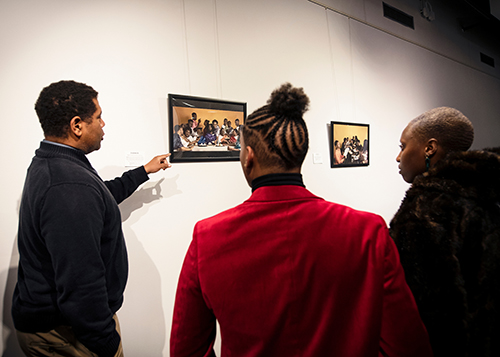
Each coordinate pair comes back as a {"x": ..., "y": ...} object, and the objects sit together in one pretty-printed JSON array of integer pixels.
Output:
[
  {"x": 431, "y": 147},
  {"x": 251, "y": 165},
  {"x": 76, "y": 126},
  {"x": 249, "y": 158}
]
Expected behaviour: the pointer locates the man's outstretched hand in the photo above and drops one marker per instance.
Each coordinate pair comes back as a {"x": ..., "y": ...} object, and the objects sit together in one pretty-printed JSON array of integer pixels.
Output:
[{"x": 158, "y": 163}]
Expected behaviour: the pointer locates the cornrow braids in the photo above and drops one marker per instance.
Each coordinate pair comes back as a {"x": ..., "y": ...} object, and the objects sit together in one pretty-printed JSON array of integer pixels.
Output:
[{"x": 277, "y": 132}]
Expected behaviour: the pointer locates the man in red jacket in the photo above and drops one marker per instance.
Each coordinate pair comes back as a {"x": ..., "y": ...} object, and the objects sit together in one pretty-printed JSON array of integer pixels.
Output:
[{"x": 292, "y": 274}]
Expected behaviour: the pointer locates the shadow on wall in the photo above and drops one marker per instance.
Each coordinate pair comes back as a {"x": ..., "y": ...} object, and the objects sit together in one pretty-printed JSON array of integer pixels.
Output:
[
  {"x": 141, "y": 317},
  {"x": 11, "y": 347}
]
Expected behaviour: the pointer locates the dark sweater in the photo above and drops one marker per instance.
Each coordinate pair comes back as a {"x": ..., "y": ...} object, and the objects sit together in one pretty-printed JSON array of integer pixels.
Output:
[
  {"x": 73, "y": 260},
  {"x": 447, "y": 231},
  {"x": 278, "y": 180}
]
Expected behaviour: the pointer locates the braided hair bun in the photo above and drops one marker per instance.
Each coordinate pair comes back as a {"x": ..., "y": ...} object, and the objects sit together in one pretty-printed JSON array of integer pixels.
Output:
[
  {"x": 288, "y": 101},
  {"x": 277, "y": 132}
]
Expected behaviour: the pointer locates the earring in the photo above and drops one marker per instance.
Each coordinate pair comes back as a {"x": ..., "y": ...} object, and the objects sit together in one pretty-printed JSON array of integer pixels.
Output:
[{"x": 427, "y": 163}]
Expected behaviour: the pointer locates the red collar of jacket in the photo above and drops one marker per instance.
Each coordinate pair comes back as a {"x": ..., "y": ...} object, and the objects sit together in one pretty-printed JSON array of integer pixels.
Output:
[{"x": 281, "y": 193}]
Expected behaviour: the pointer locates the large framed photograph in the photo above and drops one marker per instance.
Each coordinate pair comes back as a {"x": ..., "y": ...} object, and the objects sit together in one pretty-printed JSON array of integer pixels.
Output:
[
  {"x": 350, "y": 144},
  {"x": 204, "y": 129}
]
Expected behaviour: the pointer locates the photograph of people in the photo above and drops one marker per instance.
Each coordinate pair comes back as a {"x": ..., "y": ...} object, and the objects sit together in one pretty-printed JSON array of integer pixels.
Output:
[
  {"x": 350, "y": 144},
  {"x": 204, "y": 134}
]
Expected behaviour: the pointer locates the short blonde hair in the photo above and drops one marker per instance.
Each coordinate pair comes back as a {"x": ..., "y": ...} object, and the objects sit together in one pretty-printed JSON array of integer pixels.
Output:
[{"x": 452, "y": 129}]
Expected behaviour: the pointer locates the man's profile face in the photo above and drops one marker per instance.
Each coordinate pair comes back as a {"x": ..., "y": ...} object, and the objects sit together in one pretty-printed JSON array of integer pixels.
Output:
[{"x": 92, "y": 130}]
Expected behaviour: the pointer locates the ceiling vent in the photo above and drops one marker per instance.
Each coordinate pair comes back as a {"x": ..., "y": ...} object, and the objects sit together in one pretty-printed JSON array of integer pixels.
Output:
[
  {"x": 490, "y": 61},
  {"x": 397, "y": 15}
]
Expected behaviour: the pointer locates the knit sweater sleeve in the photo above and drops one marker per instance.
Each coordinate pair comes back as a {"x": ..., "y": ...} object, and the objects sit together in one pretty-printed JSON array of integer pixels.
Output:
[
  {"x": 122, "y": 187},
  {"x": 72, "y": 221}
]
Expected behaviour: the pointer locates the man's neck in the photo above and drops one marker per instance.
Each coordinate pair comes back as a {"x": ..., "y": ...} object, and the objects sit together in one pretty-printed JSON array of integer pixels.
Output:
[
  {"x": 55, "y": 143},
  {"x": 62, "y": 141},
  {"x": 278, "y": 179},
  {"x": 262, "y": 171}
]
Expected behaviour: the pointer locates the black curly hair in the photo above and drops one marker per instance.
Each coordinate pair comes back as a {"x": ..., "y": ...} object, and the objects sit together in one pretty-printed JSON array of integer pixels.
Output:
[
  {"x": 277, "y": 132},
  {"x": 59, "y": 102}
]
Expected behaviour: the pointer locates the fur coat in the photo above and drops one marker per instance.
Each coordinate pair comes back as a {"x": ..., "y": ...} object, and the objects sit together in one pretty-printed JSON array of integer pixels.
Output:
[{"x": 447, "y": 231}]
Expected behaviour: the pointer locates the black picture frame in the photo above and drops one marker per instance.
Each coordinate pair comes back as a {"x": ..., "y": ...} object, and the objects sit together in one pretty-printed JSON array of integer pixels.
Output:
[
  {"x": 354, "y": 144},
  {"x": 181, "y": 108}
]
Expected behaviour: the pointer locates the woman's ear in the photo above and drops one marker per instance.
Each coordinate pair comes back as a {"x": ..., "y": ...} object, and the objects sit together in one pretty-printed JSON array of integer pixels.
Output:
[{"x": 431, "y": 147}]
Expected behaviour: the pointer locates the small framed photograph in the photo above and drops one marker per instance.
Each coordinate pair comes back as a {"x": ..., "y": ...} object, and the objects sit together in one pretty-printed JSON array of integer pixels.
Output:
[
  {"x": 204, "y": 129},
  {"x": 350, "y": 144}
]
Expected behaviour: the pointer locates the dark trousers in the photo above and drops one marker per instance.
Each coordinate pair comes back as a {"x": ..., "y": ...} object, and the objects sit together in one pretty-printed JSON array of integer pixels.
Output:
[{"x": 60, "y": 342}]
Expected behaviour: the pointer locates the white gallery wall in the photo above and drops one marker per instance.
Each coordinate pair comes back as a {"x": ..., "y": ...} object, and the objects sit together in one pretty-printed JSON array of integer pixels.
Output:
[{"x": 355, "y": 65}]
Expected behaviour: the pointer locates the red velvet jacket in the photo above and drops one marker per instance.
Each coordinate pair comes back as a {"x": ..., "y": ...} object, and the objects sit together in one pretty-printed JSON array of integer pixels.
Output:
[{"x": 287, "y": 273}]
